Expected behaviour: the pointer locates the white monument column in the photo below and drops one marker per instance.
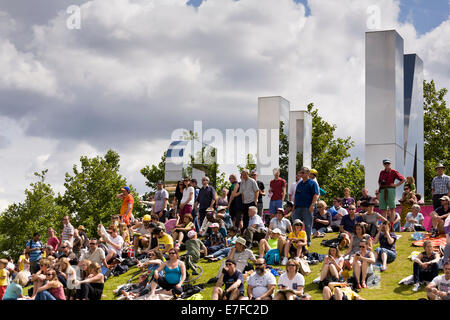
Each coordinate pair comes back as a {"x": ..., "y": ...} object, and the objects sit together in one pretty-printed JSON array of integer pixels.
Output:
[
  {"x": 414, "y": 149},
  {"x": 300, "y": 138},
  {"x": 271, "y": 110},
  {"x": 384, "y": 119}
]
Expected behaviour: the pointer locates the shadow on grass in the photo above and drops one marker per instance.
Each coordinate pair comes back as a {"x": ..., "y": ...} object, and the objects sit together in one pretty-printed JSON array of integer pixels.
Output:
[{"x": 406, "y": 290}]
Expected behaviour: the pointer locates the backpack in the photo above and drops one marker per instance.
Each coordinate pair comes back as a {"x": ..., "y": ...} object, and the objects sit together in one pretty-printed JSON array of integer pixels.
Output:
[
  {"x": 272, "y": 257},
  {"x": 331, "y": 242},
  {"x": 119, "y": 269}
]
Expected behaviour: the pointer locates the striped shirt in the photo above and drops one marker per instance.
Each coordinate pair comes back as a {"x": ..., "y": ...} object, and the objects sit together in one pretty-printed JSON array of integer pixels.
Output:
[
  {"x": 67, "y": 233},
  {"x": 441, "y": 185}
]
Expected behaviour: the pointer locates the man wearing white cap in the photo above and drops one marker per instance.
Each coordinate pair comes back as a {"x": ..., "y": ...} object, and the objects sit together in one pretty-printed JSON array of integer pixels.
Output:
[{"x": 439, "y": 215}]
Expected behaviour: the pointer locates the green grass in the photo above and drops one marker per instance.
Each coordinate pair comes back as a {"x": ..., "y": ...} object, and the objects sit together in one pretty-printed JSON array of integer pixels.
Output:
[{"x": 389, "y": 288}]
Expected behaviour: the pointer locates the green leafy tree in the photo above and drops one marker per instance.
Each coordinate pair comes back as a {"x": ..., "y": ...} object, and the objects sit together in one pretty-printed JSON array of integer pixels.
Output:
[
  {"x": 436, "y": 132},
  {"x": 250, "y": 163},
  {"x": 37, "y": 213},
  {"x": 91, "y": 191},
  {"x": 284, "y": 153},
  {"x": 154, "y": 173}
]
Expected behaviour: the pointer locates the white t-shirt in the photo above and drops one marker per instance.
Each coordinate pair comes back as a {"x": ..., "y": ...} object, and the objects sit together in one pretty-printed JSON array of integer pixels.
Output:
[
  {"x": 186, "y": 193},
  {"x": 441, "y": 283},
  {"x": 418, "y": 218},
  {"x": 117, "y": 241},
  {"x": 256, "y": 219},
  {"x": 294, "y": 284},
  {"x": 261, "y": 284},
  {"x": 283, "y": 225},
  {"x": 337, "y": 222}
]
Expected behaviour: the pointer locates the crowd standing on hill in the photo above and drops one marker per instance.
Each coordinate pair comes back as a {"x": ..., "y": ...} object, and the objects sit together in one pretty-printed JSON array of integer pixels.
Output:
[{"x": 212, "y": 227}]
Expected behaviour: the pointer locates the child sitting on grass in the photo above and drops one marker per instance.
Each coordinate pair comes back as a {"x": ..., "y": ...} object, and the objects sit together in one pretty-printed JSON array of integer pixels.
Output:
[{"x": 194, "y": 249}]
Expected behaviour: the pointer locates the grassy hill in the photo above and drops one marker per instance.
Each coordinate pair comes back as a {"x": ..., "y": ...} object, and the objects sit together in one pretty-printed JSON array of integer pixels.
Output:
[{"x": 389, "y": 289}]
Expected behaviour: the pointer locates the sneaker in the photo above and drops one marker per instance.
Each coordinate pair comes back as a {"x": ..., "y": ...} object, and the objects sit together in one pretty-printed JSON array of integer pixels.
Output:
[
  {"x": 416, "y": 287},
  {"x": 284, "y": 261}
]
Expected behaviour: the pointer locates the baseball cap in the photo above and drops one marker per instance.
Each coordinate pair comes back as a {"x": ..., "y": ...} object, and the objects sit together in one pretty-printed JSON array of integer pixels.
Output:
[
  {"x": 280, "y": 210},
  {"x": 210, "y": 209},
  {"x": 386, "y": 161},
  {"x": 126, "y": 188},
  {"x": 160, "y": 182},
  {"x": 191, "y": 234},
  {"x": 297, "y": 221},
  {"x": 445, "y": 198},
  {"x": 215, "y": 225},
  {"x": 220, "y": 208},
  {"x": 147, "y": 217}
]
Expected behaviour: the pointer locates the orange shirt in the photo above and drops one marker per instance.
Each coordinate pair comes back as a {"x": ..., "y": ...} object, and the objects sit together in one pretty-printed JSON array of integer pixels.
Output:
[{"x": 123, "y": 209}]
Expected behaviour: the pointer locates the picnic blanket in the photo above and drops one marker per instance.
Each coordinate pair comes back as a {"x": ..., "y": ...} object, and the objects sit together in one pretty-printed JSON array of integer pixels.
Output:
[{"x": 437, "y": 241}]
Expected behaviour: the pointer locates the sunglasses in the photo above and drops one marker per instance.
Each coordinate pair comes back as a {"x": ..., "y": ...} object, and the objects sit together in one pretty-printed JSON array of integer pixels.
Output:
[
  {"x": 259, "y": 264},
  {"x": 63, "y": 247},
  {"x": 290, "y": 265},
  {"x": 109, "y": 232},
  {"x": 48, "y": 274},
  {"x": 92, "y": 244},
  {"x": 362, "y": 246},
  {"x": 352, "y": 209},
  {"x": 172, "y": 253},
  {"x": 228, "y": 264}
]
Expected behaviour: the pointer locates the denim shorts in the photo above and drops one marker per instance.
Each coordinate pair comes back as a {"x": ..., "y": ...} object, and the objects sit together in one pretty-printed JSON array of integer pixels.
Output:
[
  {"x": 391, "y": 255},
  {"x": 274, "y": 205}
]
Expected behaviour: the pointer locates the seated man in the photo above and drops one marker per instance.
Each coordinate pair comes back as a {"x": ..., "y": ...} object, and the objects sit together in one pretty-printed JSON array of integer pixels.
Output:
[
  {"x": 349, "y": 221},
  {"x": 439, "y": 215},
  {"x": 256, "y": 229},
  {"x": 240, "y": 255},
  {"x": 439, "y": 288},
  {"x": 339, "y": 291},
  {"x": 425, "y": 265},
  {"x": 233, "y": 280},
  {"x": 94, "y": 253},
  {"x": 114, "y": 243},
  {"x": 261, "y": 284},
  {"x": 141, "y": 233},
  {"x": 165, "y": 241}
]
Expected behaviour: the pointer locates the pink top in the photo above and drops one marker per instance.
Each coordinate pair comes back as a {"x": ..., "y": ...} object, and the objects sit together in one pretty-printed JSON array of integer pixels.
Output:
[
  {"x": 58, "y": 293},
  {"x": 53, "y": 241}
]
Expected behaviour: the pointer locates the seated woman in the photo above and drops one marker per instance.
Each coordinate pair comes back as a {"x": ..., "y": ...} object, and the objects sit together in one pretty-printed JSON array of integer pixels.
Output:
[
  {"x": 296, "y": 243},
  {"x": 135, "y": 290},
  {"x": 174, "y": 276},
  {"x": 290, "y": 283},
  {"x": 386, "y": 252},
  {"x": 358, "y": 236},
  {"x": 339, "y": 291},
  {"x": 414, "y": 220},
  {"x": 155, "y": 260},
  {"x": 67, "y": 272},
  {"x": 362, "y": 264},
  {"x": 321, "y": 220},
  {"x": 40, "y": 277},
  {"x": 180, "y": 231},
  {"x": 92, "y": 287},
  {"x": 425, "y": 266},
  {"x": 270, "y": 242},
  {"x": 52, "y": 290},
  {"x": 332, "y": 265}
]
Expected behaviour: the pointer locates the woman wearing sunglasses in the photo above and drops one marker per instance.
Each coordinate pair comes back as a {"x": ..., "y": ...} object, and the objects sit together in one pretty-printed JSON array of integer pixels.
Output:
[
  {"x": 52, "y": 290},
  {"x": 290, "y": 283},
  {"x": 362, "y": 264},
  {"x": 174, "y": 276}
]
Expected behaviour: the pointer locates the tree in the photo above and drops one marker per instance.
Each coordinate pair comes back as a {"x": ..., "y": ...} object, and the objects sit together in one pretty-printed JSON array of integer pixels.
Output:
[
  {"x": 250, "y": 163},
  {"x": 328, "y": 158},
  {"x": 284, "y": 153},
  {"x": 436, "y": 132},
  {"x": 154, "y": 173},
  {"x": 91, "y": 191},
  {"x": 37, "y": 213}
]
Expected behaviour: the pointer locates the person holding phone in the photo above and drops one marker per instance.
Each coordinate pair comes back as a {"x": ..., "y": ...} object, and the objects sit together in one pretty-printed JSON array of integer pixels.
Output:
[{"x": 386, "y": 251}]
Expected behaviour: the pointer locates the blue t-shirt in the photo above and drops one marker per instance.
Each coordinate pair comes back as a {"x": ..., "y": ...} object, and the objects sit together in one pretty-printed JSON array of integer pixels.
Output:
[
  {"x": 230, "y": 280},
  {"x": 305, "y": 192},
  {"x": 349, "y": 224},
  {"x": 37, "y": 254},
  {"x": 13, "y": 291}
]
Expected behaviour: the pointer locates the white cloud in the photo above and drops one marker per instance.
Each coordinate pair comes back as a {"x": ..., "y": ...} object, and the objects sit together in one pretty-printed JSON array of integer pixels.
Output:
[{"x": 139, "y": 69}]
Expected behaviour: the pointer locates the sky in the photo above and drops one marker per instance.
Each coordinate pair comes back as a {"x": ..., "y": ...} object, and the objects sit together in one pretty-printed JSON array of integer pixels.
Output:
[{"x": 138, "y": 69}]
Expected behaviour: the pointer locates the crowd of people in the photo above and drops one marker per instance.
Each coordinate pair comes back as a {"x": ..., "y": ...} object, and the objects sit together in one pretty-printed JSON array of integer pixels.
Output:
[{"x": 230, "y": 226}]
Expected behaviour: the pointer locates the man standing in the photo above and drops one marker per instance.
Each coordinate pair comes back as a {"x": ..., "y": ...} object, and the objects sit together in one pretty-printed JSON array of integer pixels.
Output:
[
  {"x": 206, "y": 199},
  {"x": 278, "y": 191},
  {"x": 440, "y": 186},
  {"x": 254, "y": 175},
  {"x": 68, "y": 231},
  {"x": 249, "y": 190},
  {"x": 34, "y": 248},
  {"x": 126, "y": 210},
  {"x": 161, "y": 199},
  {"x": 386, "y": 182},
  {"x": 306, "y": 195},
  {"x": 194, "y": 212}
]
